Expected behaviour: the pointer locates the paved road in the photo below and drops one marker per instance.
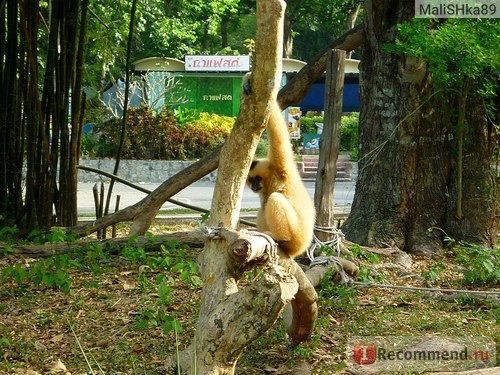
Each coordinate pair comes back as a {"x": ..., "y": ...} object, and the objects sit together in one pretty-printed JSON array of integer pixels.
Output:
[{"x": 198, "y": 194}]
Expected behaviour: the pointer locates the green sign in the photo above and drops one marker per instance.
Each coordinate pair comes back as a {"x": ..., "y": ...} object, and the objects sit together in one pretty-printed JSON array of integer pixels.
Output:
[{"x": 209, "y": 93}]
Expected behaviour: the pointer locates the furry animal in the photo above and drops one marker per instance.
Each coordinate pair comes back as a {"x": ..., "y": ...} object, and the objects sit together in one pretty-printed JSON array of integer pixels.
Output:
[{"x": 287, "y": 212}]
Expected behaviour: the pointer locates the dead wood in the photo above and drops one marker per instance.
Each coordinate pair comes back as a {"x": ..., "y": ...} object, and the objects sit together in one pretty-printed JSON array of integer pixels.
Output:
[
  {"x": 316, "y": 273},
  {"x": 193, "y": 239},
  {"x": 386, "y": 251},
  {"x": 143, "y": 213},
  {"x": 329, "y": 146}
]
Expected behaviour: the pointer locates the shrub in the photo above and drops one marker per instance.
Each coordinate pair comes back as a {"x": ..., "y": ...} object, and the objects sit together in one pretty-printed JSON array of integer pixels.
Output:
[
  {"x": 160, "y": 136},
  {"x": 149, "y": 135},
  {"x": 89, "y": 145},
  {"x": 481, "y": 265},
  {"x": 262, "y": 149},
  {"x": 308, "y": 123},
  {"x": 348, "y": 130},
  {"x": 205, "y": 134},
  {"x": 185, "y": 115}
]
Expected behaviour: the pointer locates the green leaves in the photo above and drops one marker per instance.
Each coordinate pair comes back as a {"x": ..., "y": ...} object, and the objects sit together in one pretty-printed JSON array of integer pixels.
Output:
[
  {"x": 167, "y": 135},
  {"x": 453, "y": 50},
  {"x": 47, "y": 272},
  {"x": 481, "y": 265}
]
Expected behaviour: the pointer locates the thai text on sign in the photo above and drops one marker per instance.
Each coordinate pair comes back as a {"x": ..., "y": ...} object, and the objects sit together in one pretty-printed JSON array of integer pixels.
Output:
[{"x": 217, "y": 63}]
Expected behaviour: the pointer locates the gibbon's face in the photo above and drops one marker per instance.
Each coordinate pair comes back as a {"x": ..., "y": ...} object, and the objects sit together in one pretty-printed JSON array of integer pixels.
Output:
[
  {"x": 257, "y": 175},
  {"x": 255, "y": 183}
]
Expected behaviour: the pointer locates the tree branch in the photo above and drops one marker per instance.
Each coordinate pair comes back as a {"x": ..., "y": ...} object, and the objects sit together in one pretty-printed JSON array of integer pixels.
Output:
[{"x": 295, "y": 89}]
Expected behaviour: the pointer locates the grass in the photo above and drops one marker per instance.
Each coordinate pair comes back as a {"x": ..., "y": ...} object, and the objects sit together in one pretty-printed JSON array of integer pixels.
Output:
[{"x": 124, "y": 313}]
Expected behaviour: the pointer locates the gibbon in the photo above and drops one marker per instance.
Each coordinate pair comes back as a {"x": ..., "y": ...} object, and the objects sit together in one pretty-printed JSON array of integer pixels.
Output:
[{"x": 287, "y": 212}]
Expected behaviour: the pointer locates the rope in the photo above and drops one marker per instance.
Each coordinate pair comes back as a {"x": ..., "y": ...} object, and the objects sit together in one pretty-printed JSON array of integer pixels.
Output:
[
  {"x": 334, "y": 243},
  {"x": 424, "y": 289}
]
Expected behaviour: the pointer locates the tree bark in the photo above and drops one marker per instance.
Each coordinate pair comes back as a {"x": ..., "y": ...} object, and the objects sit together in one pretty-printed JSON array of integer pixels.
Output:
[
  {"x": 233, "y": 314},
  {"x": 405, "y": 185},
  {"x": 329, "y": 144},
  {"x": 193, "y": 239}
]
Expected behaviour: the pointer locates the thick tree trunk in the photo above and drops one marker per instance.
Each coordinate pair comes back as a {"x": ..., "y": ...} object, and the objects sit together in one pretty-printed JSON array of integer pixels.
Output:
[{"x": 406, "y": 186}]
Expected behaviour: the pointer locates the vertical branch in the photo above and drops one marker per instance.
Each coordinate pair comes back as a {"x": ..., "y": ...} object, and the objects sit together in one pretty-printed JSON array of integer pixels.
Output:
[
  {"x": 68, "y": 88},
  {"x": 351, "y": 21},
  {"x": 252, "y": 119},
  {"x": 330, "y": 141},
  {"x": 9, "y": 64},
  {"x": 220, "y": 338},
  {"x": 77, "y": 108}
]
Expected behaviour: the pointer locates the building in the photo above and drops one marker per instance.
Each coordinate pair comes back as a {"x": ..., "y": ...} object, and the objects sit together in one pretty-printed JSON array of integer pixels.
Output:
[{"x": 213, "y": 83}]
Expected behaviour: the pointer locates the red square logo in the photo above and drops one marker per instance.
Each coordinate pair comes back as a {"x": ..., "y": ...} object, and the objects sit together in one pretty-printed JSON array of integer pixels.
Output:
[{"x": 365, "y": 354}]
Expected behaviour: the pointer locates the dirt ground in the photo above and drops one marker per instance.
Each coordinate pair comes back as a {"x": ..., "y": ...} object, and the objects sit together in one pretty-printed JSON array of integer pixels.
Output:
[{"x": 99, "y": 312}]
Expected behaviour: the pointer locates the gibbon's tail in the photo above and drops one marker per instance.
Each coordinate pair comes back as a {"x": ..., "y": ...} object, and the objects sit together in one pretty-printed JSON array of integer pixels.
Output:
[{"x": 280, "y": 152}]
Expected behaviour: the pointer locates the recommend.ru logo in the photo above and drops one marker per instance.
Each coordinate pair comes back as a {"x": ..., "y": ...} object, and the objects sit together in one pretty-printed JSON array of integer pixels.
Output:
[{"x": 423, "y": 353}]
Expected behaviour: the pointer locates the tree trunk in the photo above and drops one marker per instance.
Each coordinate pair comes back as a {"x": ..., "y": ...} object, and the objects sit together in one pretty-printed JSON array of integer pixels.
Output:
[
  {"x": 234, "y": 313},
  {"x": 224, "y": 26},
  {"x": 34, "y": 122},
  {"x": 13, "y": 85},
  {"x": 287, "y": 38},
  {"x": 406, "y": 190},
  {"x": 193, "y": 239},
  {"x": 329, "y": 145}
]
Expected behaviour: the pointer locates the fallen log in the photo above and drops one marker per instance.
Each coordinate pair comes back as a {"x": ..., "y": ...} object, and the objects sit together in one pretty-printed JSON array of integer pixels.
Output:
[{"x": 194, "y": 239}]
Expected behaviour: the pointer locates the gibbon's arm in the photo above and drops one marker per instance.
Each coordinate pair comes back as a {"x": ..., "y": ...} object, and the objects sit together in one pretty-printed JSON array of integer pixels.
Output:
[{"x": 280, "y": 152}]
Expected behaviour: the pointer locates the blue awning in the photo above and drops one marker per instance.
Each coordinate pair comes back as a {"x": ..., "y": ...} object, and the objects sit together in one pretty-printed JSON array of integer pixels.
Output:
[{"x": 315, "y": 97}]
